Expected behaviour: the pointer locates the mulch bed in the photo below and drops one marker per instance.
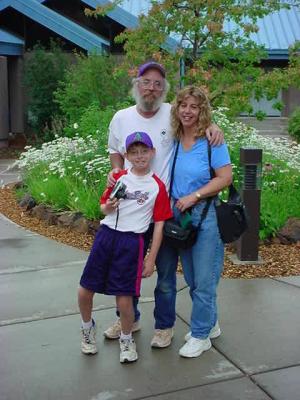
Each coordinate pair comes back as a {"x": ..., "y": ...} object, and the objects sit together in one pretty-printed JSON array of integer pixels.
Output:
[
  {"x": 278, "y": 259},
  {"x": 9, "y": 153}
]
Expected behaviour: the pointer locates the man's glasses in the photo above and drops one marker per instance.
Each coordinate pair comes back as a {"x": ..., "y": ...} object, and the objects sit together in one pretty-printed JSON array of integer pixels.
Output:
[{"x": 146, "y": 84}]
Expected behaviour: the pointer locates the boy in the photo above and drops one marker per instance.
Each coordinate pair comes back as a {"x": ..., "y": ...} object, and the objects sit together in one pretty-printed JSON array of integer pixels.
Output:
[{"x": 115, "y": 265}]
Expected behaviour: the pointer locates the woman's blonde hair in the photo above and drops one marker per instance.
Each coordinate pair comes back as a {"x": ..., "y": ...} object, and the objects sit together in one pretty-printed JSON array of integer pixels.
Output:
[{"x": 204, "y": 119}]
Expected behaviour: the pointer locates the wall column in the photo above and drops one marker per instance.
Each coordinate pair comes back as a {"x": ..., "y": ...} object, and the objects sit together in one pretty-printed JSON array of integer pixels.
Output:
[
  {"x": 291, "y": 98},
  {"x": 4, "y": 108},
  {"x": 16, "y": 94}
]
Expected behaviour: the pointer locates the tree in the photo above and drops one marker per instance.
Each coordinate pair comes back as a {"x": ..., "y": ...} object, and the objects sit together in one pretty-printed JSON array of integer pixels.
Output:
[
  {"x": 224, "y": 61},
  {"x": 43, "y": 70},
  {"x": 91, "y": 80}
]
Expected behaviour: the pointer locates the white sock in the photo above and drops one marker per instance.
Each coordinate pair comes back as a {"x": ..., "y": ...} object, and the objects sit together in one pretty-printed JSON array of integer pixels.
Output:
[
  {"x": 125, "y": 337},
  {"x": 87, "y": 325}
]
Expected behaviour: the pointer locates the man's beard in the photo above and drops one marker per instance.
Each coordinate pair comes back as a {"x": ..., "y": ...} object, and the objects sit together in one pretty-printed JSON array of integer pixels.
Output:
[{"x": 145, "y": 104}]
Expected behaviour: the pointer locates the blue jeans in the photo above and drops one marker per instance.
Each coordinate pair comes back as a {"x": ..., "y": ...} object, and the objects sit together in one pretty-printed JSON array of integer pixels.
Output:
[
  {"x": 165, "y": 291},
  {"x": 202, "y": 268}
]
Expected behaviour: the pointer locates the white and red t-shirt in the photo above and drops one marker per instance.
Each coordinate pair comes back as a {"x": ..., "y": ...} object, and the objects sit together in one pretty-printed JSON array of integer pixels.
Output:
[
  {"x": 146, "y": 199},
  {"x": 158, "y": 127}
]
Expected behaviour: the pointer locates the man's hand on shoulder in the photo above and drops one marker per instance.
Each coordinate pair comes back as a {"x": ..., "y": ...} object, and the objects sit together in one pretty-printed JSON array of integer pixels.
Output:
[
  {"x": 214, "y": 135},
  {"x": 110, "y": 177}
]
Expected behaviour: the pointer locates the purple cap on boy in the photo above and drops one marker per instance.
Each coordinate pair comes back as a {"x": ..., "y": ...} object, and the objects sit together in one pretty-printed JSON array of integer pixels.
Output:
[
  {"x": 139, "y": 137},
  {"x": 151, "y": 65}
]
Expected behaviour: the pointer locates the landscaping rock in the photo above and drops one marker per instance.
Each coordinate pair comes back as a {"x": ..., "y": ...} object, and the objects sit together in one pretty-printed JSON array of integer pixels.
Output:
[
  {"x": 50, "y": 216},
  {"x": 27, "y": 202},
  {"x": 93, "y": 227},
  {"x": 17, "y": 185},
  {"x": 290, "y": 232},
  {"x": 81, "y": 225},
  {"x": 66, "y": 219},
  {"x": 39, "y": 211}
]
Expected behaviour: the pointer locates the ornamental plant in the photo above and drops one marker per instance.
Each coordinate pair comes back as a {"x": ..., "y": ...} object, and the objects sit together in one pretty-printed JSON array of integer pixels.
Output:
[
  {"x": 67, "y": 174},
  {"x": 91, "y": 81},
  {"x": 294, "y": 124},
  {"x": 280, "y": 178},
  {"x": 70, "y": 173},
  {"x": 44, "y": 68}
]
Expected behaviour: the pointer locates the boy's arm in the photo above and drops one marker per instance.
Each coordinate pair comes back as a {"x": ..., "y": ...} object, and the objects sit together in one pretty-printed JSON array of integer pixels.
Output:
[
  {"x": 149, "y": 262},
  {"x": 106, "y": 204}
]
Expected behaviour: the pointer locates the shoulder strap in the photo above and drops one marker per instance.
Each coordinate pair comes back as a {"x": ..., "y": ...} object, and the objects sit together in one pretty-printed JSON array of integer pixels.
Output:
[
  {"x": 211, "y": 170},
  {"x": 173, "y": 168},
  {"x": 208, "y": 201}
]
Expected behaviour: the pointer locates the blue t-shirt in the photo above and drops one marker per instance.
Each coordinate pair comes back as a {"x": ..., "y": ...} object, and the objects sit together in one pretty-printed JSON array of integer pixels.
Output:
[{"x": 192, "y": 167}]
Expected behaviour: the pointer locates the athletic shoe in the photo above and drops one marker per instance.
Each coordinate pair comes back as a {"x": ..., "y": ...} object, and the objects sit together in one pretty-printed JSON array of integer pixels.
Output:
[
  {"x": 114, "y": 331},
  {"x": 128, "y": 351},
  {"x": 88, "y": 340},
  {"x": 195, "y": 347},
  {"x": 162, "y": 337},
  {"x": 213, "y": 334}
]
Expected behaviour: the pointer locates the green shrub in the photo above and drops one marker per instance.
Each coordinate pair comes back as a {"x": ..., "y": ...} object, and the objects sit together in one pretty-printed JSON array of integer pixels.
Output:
[
  {"x": 280, "y": 194},
  {"x": 91, "y": 81},
  {"x": 94, "y": 122},
  {"x": 294, "y": 124},
  {"x": 70, "y": 173},
  {"x": 43, "y": 69},
  {"x": 67, "y": 174}
]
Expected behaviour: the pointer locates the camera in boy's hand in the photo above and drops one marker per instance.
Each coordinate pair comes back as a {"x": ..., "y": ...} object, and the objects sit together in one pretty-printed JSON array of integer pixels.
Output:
[{"x": 119, "y": 191}]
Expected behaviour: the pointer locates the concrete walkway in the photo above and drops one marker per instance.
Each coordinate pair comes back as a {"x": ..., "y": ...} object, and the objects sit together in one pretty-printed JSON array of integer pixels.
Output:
[
  {"x": 257, "y": 357},
  {"x": 8, "y": 173}
]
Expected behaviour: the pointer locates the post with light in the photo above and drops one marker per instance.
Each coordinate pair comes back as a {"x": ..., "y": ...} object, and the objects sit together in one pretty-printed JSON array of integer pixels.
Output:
[{"x": 250, "y": 167}]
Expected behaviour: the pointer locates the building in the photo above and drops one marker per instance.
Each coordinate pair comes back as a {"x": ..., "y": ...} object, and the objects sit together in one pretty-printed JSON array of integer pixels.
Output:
[{"x": 24, "y": 22}]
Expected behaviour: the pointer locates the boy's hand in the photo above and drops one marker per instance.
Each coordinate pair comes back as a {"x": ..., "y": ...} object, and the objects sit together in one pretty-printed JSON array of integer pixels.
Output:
[
  {"x": 110, "y": 206},
  {"x": 214, "y": 135},
  {"x": 110, "y": 177},
  {"x": 148, "y": 267}
]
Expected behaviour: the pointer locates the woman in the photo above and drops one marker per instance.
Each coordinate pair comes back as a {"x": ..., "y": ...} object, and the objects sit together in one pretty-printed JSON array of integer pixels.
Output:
[{"x": 192, "y": 186}]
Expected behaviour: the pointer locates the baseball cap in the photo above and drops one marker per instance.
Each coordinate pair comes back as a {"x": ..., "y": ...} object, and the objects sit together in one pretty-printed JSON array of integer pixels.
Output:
[
  {"x": 151, "y": 64},
  {"x": 139, "y": 137}
]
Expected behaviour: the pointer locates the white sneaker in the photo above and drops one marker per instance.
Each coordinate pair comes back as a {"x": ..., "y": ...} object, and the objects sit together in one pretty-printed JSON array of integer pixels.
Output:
[
  {"x": 88, "y": 340},
  {"x": 195, "y": 347},
  {"x": 213, "y": 334},
  {"x": 128, "y": 351},
  {"x": 162, "y": 337},
  {"x": 114, "y": 331}
]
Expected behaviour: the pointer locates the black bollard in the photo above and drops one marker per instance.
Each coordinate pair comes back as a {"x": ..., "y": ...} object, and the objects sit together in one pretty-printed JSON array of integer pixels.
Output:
[{"x": 251, "y": 164}]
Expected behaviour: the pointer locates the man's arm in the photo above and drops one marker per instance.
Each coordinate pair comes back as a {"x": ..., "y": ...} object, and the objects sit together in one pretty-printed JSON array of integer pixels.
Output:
[
  {"x": 149, "y": 262},
  {"x": 117, "y": 163},
  {"x": 214, "y": 135}
]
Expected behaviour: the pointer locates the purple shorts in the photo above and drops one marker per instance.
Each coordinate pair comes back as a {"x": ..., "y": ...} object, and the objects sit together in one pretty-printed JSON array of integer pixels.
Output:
[{"x": 115, "y": 263}]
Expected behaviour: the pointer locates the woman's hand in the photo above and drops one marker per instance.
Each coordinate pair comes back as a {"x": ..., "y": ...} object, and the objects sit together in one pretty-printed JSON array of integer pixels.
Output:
[{"x": 186, "y": 202}]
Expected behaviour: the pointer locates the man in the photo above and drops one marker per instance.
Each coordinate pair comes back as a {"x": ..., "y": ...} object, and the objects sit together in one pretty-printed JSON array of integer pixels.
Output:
[{"x": 151, "y": 115}]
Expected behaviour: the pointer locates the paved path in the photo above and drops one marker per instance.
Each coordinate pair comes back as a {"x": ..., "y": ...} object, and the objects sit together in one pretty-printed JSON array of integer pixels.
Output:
[
  {"x": 8, "y": 173},
  {"x": 257, "y": 356}
]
